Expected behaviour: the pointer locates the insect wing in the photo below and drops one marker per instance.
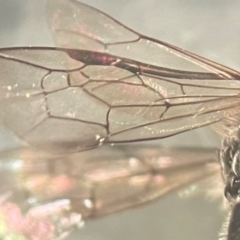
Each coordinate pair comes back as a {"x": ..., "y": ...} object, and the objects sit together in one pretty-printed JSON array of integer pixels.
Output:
[
  {"x": 63, "y": 105},
  {"x": 59, "y": 193},
  {"x": 69, "y": 100},
  {"x": 79, "y": 26}
]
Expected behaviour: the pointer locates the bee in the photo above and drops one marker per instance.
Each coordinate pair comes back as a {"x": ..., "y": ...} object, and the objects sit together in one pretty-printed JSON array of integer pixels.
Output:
[{"x": 78, "y": 107}]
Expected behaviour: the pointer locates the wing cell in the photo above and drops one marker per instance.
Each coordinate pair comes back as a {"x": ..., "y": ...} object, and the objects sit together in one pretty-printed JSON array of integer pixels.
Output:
[{"x": 85, "y": 99}]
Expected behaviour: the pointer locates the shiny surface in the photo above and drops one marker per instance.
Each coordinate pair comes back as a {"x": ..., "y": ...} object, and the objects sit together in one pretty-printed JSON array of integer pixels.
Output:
[
  {"x": 90, "y": 97},
  {"x": 44, "y": 197},
  {"x": 82, "y": 106}
]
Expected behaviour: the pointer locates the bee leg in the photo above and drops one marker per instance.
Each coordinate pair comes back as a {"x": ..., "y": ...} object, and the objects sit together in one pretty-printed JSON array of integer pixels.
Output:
[{"x": 234, "y": 223}]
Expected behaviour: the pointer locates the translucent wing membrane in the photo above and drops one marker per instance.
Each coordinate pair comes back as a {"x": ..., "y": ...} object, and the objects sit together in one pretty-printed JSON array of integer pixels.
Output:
[
  {"x": 110, "y": 85},
  {"x": 79, "y": 26},
  {"x": 103, "y": 84},
  {"x": 47, "y": 197},
  {"x": 69, "y": 100}
]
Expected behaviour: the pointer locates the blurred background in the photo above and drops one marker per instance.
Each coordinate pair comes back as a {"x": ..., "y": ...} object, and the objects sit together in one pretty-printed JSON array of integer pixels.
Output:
[{"x": 208, "y": 28}]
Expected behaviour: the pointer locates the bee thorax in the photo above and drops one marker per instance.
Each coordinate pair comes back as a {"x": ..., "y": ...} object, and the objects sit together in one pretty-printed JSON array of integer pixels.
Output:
[{"x": 230, "y": 163}]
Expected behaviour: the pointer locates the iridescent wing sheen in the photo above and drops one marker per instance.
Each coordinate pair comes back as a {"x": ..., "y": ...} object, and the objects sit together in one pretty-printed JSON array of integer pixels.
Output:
[
  {"x": 79, "y": 26},
  {"x": 55, "y": 194},
  {"x": 108, "y": 84},
  {"x": 51, "y": 101}
]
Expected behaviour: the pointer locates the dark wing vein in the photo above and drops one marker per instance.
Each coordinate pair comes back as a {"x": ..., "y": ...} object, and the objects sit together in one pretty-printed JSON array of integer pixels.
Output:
[
  {"x": 117, "y": 86},
  {"x": 79, "y": 26},
  {"x": 74, "y": 104}
]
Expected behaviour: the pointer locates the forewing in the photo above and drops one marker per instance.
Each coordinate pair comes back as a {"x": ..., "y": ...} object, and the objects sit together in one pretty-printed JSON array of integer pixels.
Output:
[
  {"x": 58, "y": 193},
  {"x": 72, "y": 99},
  {"x": 68, "y": 100},
  {"x": 171, "y": 90}
]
